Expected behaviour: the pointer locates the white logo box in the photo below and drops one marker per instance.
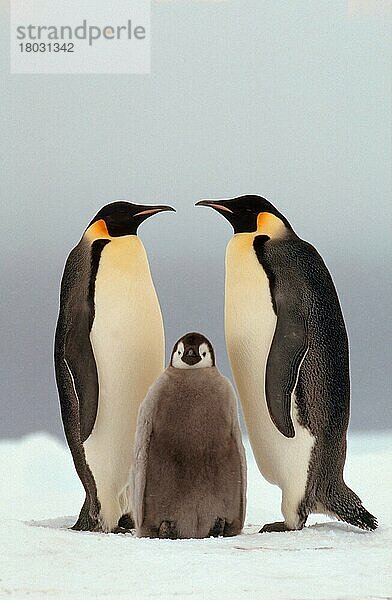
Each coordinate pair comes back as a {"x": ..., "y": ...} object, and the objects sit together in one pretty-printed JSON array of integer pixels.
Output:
[{"x": 80, "y": 36}]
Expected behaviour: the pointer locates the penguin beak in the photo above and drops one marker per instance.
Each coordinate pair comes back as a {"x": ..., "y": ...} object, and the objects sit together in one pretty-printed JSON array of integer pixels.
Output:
[
  {"x": 221, "y": 206},
  {"x": 152, "y": 210},
  {"x": 216, "y": 204}
]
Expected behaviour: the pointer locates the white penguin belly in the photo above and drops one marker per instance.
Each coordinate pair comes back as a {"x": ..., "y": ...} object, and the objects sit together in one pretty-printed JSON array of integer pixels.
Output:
[
  {"x": 250, "y": 325},
  {"x": 128, "y": 344}
]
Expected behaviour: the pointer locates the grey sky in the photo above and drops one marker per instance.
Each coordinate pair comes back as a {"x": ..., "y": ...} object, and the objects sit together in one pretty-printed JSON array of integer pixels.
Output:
[{"x": 289, "y": 100}]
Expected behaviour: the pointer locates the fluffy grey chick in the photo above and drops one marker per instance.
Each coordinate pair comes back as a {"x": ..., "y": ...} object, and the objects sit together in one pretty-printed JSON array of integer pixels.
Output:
[{"x": 189, "y": 477}]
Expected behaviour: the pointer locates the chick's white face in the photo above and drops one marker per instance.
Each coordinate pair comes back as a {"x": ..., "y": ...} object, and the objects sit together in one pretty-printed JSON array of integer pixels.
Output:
[{"x": 192, "y": 357}]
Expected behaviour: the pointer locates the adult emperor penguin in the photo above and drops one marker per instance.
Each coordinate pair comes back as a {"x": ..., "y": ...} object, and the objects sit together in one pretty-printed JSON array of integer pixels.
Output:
[
  {"x": 289, "y": 355},
  {"x": 109, "y": 348},
  {"x": 189, "y": 468}
]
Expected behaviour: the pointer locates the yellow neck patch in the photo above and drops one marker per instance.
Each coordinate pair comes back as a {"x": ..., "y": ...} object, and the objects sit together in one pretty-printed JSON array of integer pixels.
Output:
[
  {"x": 268, "y": 224},
  {"x": 97, "y": 231}
]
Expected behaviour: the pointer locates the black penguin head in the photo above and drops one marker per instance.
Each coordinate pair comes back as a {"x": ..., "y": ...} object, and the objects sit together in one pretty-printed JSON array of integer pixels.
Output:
[
  {"x": 124, "y": 218},
  {"x": 192, "y": 351},
  {"x": 245, "y": 213}
]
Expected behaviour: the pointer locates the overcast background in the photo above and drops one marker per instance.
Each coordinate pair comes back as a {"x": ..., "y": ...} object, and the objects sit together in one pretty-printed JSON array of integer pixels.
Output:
[{"x": 291, "y": 100}]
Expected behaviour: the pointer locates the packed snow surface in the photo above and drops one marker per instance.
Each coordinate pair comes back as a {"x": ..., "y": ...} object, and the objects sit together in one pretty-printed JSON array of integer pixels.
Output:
[{"x": 40, "y": 557}]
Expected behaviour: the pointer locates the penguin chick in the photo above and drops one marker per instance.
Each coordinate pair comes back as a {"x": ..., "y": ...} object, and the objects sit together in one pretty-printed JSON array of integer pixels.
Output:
[{"x": 189, "y": 475}]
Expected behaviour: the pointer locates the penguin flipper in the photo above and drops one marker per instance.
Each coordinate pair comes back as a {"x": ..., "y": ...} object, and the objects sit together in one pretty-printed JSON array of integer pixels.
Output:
[
  {"x": 288, "y": 349},
  {"x": 73, "y": 411},
  {"x": 82, "y": 372}
]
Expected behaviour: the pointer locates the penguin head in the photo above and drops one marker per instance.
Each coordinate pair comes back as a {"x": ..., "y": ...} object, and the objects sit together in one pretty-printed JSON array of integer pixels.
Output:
[
  {"x": 124, "y": 218},
  {"x": 192, "y": 351},
  {"x": 248, "y": 214}
]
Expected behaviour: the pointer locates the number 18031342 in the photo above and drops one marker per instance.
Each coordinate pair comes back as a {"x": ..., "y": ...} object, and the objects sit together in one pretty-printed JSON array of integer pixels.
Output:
[{"x": 46, "y": 47}]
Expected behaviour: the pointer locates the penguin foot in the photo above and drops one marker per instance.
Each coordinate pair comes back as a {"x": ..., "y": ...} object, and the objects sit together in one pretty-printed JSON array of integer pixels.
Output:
[
  {"x": 233, "y": 528},
  {"x": 218, "y": 528},
  {"x": 126, "y": 521},
  {"x": 168, "y": 531},
  {"x": 120, "y": 530},
  {"x": 278, "y": 526}
]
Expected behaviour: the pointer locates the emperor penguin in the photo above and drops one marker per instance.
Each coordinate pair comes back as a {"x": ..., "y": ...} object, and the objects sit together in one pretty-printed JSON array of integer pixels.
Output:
[
  {"x": 109, "y": 348},
  {"x": 189, "y": 467},
  {"x": 289, "y": 355}
]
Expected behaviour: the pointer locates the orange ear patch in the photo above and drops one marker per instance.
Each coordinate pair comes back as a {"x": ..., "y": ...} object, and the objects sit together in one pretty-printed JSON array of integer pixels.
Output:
[
  {"x": 263, "y": 220},
  {"x": 270, "y": 225},
  {"x": 98, "y": 230}
]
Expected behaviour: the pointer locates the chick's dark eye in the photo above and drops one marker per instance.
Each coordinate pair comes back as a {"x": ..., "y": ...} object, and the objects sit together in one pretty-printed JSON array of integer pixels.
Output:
[
  {"x": 178, "y": 352},
  {"x": 204, "y": 353}
]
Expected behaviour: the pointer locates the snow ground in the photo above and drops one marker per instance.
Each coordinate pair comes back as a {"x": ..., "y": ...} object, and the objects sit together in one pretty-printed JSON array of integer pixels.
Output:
[{"x": 40, "y": 557}]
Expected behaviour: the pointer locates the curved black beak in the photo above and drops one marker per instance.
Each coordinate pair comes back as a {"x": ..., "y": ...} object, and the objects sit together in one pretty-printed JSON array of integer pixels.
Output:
[
  {"x": 224, "y": 208},
  {"x": 147, "y": 210},
  {"x": 218, "y": 205}
]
